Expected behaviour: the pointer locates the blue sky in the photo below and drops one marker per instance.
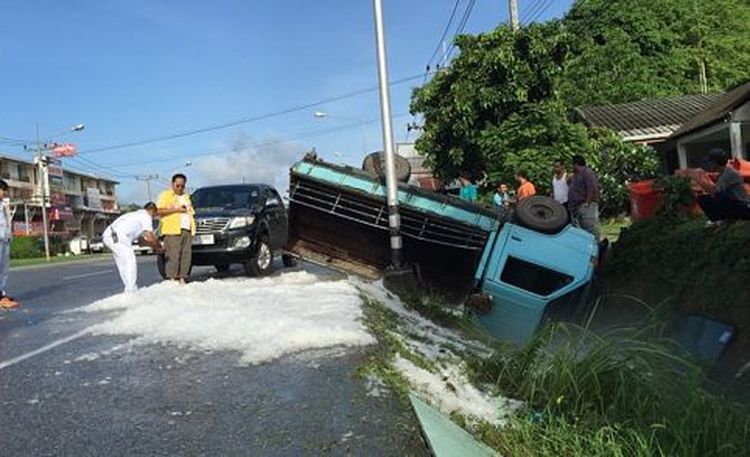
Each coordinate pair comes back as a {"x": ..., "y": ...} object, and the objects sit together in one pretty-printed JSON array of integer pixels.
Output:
[{"x": 142, "y": 69}]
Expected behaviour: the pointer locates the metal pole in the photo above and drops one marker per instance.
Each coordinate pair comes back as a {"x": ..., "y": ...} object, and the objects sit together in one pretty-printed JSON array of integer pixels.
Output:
[
  {"x": 43, "y": 187},
  {"x": 394, "y": 221},
  {"x": 513, "y": 8}
]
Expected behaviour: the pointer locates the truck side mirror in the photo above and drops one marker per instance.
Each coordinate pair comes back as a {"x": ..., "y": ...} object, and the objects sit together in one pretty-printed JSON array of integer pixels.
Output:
[{"x": 272, "y": 203}]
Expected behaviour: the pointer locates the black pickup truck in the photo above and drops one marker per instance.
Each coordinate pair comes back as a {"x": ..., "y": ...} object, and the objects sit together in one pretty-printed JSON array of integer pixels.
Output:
[{"x": 242, "y": 223}]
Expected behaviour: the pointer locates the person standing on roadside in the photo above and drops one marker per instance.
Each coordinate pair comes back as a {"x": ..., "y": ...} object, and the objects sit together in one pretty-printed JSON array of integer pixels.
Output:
[
  {"x": 560, "y": 184},
  {"x": 583, "y": 197},
  {"x": 177, "y": 228},
  {"x": 502, "y": 198},
  {"x": 6, "y": 231},
  {"x": 119, "y": 237},
  {"x": 468, "y": 191},
  {"x": 525, "y": 187}
]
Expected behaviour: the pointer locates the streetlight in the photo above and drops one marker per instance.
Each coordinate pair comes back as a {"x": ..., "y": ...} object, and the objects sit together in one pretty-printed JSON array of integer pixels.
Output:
[
  {"x": 42, "y": 163},
  {"x": 362, "y": 124}
]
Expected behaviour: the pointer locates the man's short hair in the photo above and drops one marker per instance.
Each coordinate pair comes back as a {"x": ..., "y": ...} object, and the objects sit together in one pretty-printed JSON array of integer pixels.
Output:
[
  {"x": 3, "y": 185},
  {"x": 579, "y": 160},
  {"x": 465, "y": 174},
  {"x": 178, "y": 176},
  {"x": 718, "y": 156},
  {"x": 150, "y": 205}
]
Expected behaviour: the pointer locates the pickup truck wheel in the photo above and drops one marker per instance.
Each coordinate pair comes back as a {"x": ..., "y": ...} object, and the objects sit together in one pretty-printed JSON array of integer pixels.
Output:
[
  {"x": 261, "y": 263},
  {"x": 289, "y": 261},
  {"x": 542, "y": 214}
]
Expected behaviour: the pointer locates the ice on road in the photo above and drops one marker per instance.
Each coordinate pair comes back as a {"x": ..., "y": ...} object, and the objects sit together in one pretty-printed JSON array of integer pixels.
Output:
[{"x": 262, "y": 318}]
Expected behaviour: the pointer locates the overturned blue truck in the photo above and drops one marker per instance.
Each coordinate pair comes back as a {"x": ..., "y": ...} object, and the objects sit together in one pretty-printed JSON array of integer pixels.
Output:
[{"x": 514, "y": 269}]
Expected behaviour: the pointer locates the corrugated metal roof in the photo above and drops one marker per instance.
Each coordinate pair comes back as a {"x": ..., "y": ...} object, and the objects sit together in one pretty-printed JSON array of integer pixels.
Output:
[
  {"x": 654, "y": 118},
  {"x": 718, "y": 111}
]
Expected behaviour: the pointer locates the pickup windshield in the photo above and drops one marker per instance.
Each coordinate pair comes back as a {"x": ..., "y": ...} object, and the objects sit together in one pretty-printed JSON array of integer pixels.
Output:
[{"x": 226, "y": 197}]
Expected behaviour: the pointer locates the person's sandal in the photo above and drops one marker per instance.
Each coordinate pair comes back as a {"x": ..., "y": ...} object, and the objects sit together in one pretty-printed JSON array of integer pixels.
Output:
[{"x": 7, "y": 302}]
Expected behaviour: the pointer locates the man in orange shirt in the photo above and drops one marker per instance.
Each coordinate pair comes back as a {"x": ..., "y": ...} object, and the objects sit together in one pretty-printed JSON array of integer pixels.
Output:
[{"x": 525, "y": 188}]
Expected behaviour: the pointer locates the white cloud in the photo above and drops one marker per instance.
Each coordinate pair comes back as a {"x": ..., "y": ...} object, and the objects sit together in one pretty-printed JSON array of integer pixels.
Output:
[{"x": 267, "y": 164}]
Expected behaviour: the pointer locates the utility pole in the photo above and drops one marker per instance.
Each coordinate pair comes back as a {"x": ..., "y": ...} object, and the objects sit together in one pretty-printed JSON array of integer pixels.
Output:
[
  {"x": 513, "y": 8},
  {"x": 148, "y": 179},
  {"x": 391, "y": 183},
  {"x": 43, "y": 176}
]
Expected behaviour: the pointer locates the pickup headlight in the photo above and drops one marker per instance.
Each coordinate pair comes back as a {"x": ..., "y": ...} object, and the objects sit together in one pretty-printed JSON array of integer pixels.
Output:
[{"x": 239, "y": 222}]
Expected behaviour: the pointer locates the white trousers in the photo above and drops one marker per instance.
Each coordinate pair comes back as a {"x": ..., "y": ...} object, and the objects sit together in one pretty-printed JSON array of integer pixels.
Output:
[{"x": 125, "y": 261}]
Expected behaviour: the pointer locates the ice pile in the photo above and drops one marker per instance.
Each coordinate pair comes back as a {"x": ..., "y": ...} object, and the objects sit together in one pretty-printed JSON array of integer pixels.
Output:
[{"x": 262, "y": 318}]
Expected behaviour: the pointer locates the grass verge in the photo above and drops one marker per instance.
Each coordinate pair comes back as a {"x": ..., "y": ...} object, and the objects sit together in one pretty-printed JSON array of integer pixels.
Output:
[{"x": 55, "y": 260}]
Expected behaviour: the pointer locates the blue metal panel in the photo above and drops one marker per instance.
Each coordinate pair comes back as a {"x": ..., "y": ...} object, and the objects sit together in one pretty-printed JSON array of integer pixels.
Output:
[{"x": 351, "y": 180}]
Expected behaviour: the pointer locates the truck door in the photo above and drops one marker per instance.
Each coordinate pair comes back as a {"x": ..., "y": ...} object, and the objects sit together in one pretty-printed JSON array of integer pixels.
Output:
[{"x": 526, "y": 271}]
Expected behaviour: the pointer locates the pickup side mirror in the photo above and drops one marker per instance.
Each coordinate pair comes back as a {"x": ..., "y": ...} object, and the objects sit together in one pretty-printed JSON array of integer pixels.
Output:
[{"x": 272, "y": 203}]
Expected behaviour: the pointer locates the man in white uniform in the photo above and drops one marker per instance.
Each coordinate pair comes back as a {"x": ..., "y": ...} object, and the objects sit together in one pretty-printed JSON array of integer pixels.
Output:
[{"x": 119, "y": 237}]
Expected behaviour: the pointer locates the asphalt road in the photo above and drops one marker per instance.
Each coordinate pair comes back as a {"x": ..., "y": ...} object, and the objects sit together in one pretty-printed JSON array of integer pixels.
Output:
[{"x": 65, "y": 392}]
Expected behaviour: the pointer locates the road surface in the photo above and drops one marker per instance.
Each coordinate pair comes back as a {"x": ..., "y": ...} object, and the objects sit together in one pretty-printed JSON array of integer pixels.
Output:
[{"x": 66, "y": 392}]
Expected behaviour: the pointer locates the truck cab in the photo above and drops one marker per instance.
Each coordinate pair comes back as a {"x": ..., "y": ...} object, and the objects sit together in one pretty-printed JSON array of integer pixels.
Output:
[{"x": 526, "y": 276}]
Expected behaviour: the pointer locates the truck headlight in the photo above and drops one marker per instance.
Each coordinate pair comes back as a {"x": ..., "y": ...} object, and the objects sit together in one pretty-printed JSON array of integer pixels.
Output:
[{"x": 239, "y": 222}]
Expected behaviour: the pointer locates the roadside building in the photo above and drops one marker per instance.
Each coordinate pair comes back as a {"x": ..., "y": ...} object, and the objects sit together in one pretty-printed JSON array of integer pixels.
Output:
[
  {"x": 724, "y": 125},
  {"x": 78, "y": 203}
]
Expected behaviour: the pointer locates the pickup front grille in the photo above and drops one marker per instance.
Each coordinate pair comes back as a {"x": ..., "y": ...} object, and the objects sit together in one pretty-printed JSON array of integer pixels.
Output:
[{"x": 211, "y": 225}]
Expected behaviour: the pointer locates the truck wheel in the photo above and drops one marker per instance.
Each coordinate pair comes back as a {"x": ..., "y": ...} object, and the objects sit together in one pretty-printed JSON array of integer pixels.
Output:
[
  {"x": 542, "y": 214},
  {"x": 262, "y": 262},
  {"x": 222, "y": 267},
  {"x": 289, "y": 261}
]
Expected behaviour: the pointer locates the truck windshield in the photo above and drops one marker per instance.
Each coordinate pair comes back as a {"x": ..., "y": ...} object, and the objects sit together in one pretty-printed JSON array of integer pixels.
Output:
[{"x": 229, "y": 197}]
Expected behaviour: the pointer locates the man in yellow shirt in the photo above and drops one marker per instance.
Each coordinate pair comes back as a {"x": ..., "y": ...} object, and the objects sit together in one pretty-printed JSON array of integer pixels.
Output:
[{"x": 177, "y": 227}]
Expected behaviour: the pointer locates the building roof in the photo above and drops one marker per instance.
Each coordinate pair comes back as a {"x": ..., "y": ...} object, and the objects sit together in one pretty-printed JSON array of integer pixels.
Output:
[
  {"x": 65, "y": 169},
  {"x": 718, "y": 111},
  {"x": 647, "y": 119}
]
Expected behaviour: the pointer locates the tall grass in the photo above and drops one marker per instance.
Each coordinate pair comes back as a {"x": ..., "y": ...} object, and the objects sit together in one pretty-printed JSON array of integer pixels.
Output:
[{"x": 624, "y": 392}]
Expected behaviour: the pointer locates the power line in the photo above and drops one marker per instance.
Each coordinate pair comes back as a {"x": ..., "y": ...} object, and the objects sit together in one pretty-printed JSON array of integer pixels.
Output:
[
  {"x": 461, "y": 27},
  {"x": 530, "y": 10},
  {"x": 445, "y": 33},
  {"x": 249, "y": 119},
  {"x": 118, "y": 173},
  {"x": 541, "y": 11}
]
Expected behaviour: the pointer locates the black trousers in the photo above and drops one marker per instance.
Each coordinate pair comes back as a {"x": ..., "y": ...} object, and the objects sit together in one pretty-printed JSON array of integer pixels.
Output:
[{"x": 720, "y": 207}]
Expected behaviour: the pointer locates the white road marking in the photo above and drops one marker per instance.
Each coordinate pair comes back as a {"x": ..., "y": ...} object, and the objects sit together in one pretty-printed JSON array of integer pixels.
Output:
[
  {"x": 86, "y": 275},
  {"x": 44, "y": 348}
]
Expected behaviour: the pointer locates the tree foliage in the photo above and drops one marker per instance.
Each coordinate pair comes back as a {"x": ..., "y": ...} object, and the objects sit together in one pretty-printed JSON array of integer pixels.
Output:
[{"x": 503, "y": 103}]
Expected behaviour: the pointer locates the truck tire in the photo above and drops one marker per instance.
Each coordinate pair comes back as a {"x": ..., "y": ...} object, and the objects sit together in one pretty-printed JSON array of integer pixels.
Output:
[
  {"x": 374, "y": 164},
  {"x": 222, "y": 267},
  {"x": 542, "y": 214},
  {"x": 261, "y": 263}
]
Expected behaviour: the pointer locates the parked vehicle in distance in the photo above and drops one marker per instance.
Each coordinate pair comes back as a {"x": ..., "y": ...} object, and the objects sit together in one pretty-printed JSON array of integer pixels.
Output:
[
  {"x": 141, "y": 249},
  {"x": 97, "y": 245},
  {"x": 242, "y": 224},
  {"x": 78, "y": 245}
]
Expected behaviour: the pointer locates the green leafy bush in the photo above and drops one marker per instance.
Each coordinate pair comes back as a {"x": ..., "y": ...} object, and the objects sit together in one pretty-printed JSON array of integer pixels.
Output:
[
  {"x": 677, "y": 195},
  {"x": 26, "y": 247}
]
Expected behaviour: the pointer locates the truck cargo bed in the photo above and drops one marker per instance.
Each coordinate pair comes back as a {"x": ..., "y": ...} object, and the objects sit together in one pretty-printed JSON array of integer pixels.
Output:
[{"x": 339, "y": 217}]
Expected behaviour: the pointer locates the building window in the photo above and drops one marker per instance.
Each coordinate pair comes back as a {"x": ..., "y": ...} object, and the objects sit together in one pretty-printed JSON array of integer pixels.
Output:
[
  {"x": 23, "y": 173},
  {"x": 533, "y": 278}
]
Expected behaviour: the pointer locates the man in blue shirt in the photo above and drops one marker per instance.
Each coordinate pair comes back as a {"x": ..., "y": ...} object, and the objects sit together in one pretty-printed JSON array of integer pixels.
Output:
[
  {"x": 468, "y": 190},
  {"x": 502, "y": 198}
]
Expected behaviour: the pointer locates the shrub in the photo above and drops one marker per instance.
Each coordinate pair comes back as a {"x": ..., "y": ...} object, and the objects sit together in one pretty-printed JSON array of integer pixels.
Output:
[{"x": 26, "y": 247}]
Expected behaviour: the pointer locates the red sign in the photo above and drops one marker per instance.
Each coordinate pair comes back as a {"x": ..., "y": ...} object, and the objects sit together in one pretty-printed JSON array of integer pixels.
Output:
[{"x": 64, "y": 150}]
